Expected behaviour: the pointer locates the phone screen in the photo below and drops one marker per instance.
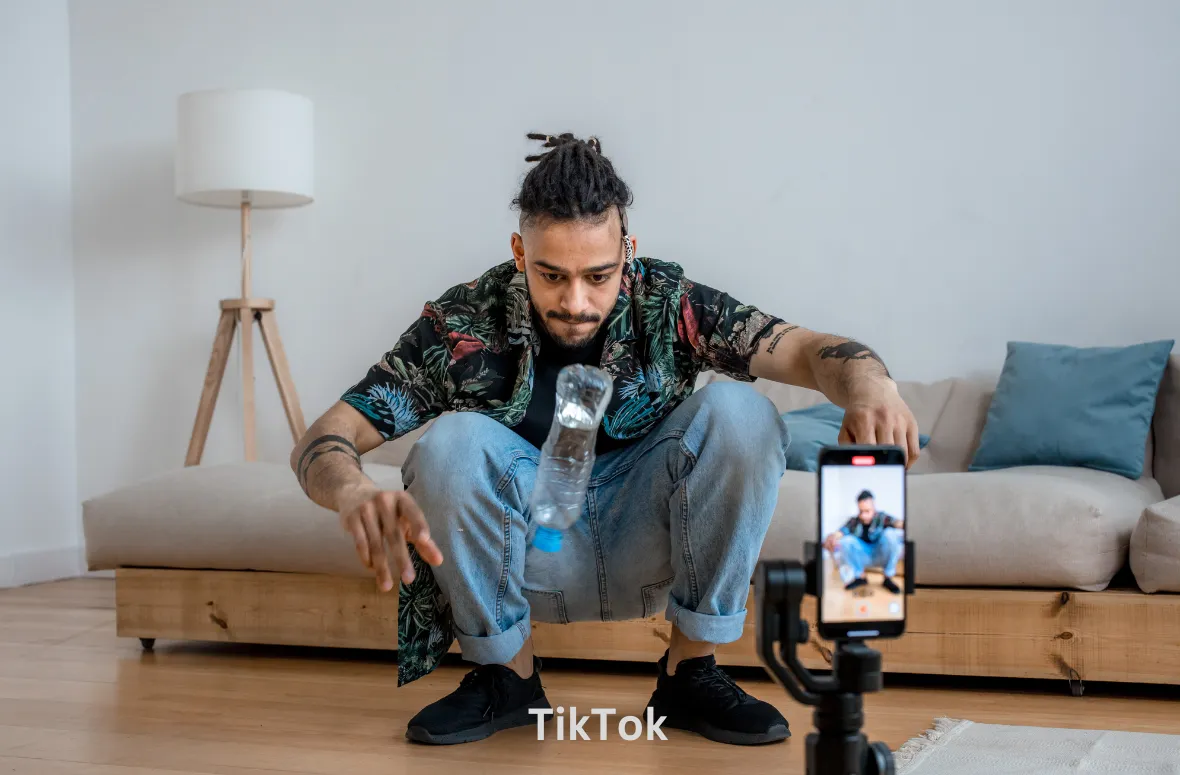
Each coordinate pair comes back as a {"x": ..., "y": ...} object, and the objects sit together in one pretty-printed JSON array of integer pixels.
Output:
[{"x": 862, "y": 537}]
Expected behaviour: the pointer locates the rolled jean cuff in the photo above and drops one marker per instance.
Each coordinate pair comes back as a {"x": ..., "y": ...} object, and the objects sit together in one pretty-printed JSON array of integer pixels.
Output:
[
  {"x": 498, "y": 649},
  {"x": 710, "y": 628}
]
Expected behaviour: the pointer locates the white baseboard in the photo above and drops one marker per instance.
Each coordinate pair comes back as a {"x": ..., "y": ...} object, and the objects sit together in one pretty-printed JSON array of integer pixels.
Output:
[{"x": 21, "y": 568}]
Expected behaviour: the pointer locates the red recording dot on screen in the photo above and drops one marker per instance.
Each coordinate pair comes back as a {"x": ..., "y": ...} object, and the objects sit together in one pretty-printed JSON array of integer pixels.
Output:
[{"x": 863, "y": 460}]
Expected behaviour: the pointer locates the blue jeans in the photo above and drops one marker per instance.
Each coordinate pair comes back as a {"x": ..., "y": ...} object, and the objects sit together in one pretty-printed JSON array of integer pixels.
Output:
[
  {"x": 675, "y": 522},
  {"x": 855, "y": 554}
]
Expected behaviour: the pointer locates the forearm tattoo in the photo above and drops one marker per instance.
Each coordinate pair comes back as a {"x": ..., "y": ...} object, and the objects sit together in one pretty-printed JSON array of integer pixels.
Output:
[
  {"x": 778, "y": 336},
  {"x": 321, "y": 446},
  {"x": 852, "y": 350}
]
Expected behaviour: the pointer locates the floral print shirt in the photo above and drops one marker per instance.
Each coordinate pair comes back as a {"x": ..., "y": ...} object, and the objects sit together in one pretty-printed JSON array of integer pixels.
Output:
[{"x": 473, "y": 348}]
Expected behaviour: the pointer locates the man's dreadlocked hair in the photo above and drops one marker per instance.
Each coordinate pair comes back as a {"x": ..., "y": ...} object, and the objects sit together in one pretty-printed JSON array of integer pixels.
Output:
[{"x": 571, "y": 181}]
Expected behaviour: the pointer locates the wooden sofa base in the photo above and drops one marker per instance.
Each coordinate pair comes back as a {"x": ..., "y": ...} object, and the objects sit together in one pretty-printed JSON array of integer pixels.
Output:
[{"x": 1117, "y": 635}]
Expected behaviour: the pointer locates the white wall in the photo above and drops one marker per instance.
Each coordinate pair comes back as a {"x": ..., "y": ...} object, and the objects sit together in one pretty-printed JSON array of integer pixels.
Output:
[
  {"x": 933, "y": 177},
  {"x": 39, "y": 527}
]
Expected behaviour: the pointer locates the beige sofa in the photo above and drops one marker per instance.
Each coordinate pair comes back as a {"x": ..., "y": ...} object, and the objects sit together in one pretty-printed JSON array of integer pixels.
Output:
[{"x": 1014, "y": 566}]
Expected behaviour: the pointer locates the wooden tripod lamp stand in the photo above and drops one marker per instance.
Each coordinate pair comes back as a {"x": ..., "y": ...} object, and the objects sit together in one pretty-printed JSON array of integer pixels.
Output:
[{"x": 245, "y": 149}]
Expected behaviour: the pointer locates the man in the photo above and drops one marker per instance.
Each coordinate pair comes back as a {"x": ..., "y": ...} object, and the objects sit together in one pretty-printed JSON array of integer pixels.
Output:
[
  {"x": 870, "y": 539},
  {"x": 682, "y": 491}
]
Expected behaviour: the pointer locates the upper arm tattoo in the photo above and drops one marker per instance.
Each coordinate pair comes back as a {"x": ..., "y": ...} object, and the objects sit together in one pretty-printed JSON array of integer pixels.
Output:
[
  {"x": 851, "y": 350},
  {"x": 324, "y": 445}
]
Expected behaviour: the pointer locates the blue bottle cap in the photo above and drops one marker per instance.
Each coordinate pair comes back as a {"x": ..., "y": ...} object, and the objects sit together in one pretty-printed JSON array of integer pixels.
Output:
[{"x": 547, "y": 539}]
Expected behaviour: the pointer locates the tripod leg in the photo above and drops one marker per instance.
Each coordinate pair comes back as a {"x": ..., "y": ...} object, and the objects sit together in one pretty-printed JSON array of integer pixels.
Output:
[
  {"x": 221, "y": 344},
  {"x": 246, "y": 321},
  {"x": 282, "y": 372}
]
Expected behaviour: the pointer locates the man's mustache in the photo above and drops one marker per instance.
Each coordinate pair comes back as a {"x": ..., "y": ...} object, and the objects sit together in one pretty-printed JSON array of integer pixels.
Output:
[{"x": 567, "y": 318}]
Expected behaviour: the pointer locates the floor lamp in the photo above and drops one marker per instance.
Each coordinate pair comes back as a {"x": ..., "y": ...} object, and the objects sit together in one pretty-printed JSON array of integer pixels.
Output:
[{"x": 245, "y": 149}]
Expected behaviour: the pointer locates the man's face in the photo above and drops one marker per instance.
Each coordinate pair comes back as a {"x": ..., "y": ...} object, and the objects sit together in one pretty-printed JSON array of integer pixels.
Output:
[
  {"x": 573, "y": 271},
  {"x": 867, "y": 510}
]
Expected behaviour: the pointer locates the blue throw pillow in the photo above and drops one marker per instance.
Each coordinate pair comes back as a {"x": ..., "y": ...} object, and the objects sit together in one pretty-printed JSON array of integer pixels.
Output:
[
  {"x": 814, "y": 428},
  {"x": 1073, "y": 406}
]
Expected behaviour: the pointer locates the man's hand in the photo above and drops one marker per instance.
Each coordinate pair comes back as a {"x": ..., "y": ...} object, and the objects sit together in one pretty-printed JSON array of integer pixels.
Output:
[
  {"x": 876, "y": 414},
  {"x": 381, "y": 523},
  {"x": 832, "y": 542},
  {"x": 849, "y": 374},
  {"x": 327, "y": 462}
]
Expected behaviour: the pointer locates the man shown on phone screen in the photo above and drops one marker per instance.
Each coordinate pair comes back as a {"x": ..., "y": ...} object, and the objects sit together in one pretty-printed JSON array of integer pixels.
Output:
[
  {"x": 871, "y": 539},
  {"x": 681, "y": 495}
]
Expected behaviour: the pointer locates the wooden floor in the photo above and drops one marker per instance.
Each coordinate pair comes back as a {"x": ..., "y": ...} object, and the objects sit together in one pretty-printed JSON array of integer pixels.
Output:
[
  {"x": 76, "y": 699},
  {"x": 870, "y": 603}
]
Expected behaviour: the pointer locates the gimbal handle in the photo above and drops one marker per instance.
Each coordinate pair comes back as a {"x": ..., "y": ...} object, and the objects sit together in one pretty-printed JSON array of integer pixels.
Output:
[{"x": 779, "y": 587}]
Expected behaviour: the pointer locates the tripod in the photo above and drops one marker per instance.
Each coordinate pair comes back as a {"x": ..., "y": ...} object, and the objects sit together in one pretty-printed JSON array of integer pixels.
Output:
[
  {"x": 837, "y": 747},
  {"x": 241, "y": 314}
]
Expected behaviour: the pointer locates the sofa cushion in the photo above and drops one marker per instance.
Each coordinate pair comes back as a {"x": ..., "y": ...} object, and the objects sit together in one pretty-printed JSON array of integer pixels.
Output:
[
  {"x": 238, "y": 516},
  {"x": 1073, "y": 406},
  {"x": 1155, "y": 547},
  {"x": 1043, "y": 527},
  {"x": 957, "y": 423},
  {"x": 1166, "y": 427},
  {"x": 1033, "y": 526}
]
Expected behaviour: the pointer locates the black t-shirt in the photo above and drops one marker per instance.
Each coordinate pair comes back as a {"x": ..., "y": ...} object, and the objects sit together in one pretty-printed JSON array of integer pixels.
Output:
[{"x": 538, "y": 418}]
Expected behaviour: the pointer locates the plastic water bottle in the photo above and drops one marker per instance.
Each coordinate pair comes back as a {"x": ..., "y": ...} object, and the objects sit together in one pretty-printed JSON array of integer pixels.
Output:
[{"x": 567, "y": 457}]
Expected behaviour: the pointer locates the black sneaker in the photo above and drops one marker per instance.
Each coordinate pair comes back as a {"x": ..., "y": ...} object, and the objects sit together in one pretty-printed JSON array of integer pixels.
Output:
[
  {"x": 701, "y": 698},
  {"x": 489, "y": 698},
  {"x": 856, "y": 584},
  {"x": 891, "y": 585}
]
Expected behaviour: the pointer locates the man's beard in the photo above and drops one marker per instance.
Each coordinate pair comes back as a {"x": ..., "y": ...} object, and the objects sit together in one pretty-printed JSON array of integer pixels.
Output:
[{"x": 565, "y": 342}]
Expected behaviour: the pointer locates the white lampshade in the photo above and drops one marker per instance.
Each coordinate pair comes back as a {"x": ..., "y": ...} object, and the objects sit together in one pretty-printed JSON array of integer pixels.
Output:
[{"x": 245, "y": 141}]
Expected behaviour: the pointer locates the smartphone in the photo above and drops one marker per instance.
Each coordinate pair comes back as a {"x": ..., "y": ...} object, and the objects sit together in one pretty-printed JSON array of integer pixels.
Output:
[{"x": 860, "y": 558}]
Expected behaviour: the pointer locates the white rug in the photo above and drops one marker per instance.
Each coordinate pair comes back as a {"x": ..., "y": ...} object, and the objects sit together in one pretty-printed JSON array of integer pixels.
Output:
[{"x": 955, "y": 747}]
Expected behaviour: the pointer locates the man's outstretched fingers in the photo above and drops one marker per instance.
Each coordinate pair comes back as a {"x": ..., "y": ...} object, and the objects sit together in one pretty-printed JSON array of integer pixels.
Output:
[
  {"x": 386, "y": 512},
  {"x": 393, "y": 535},
  {"x": 860, "y": 428},
  {"x": 417, "y": 531},
  {"x": 915, "y": 443},
  {"x": 380, "y": 562},
  {"x": 393, "y": 539},
  {"x": 901, "y": 440},
  {"x": 401, "y": 553},
  {"x": 357, "y": 530}
]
